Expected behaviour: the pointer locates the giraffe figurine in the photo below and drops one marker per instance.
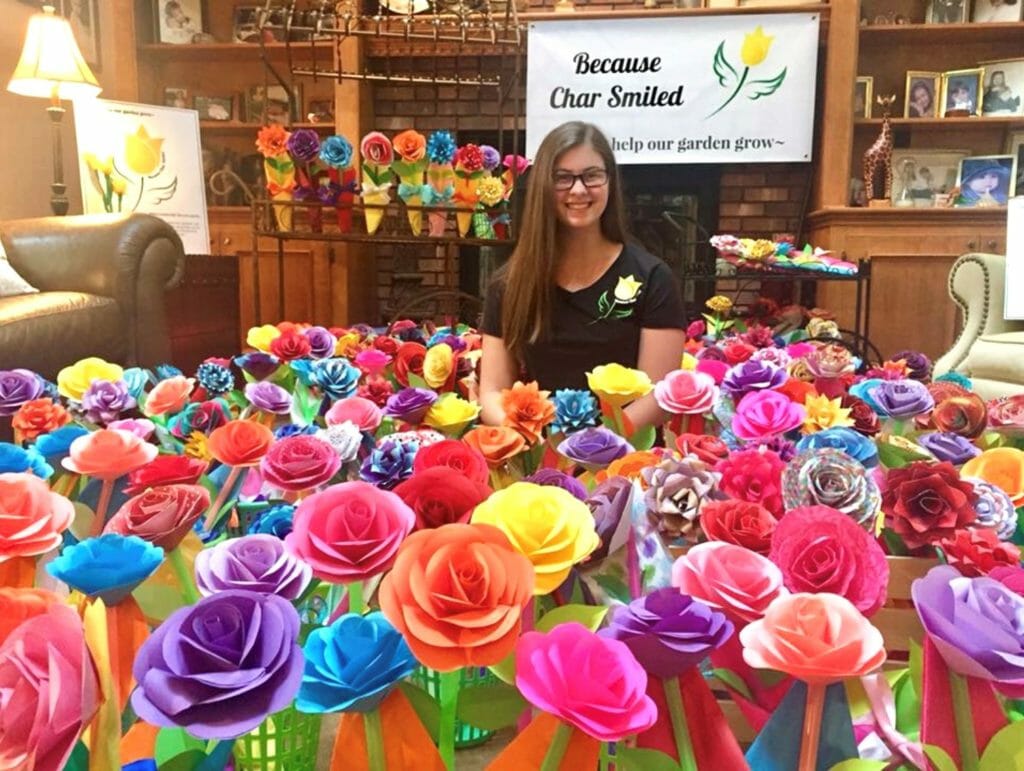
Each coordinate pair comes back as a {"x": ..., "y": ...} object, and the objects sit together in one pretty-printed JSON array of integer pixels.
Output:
[{"x": 879, "y": 155}]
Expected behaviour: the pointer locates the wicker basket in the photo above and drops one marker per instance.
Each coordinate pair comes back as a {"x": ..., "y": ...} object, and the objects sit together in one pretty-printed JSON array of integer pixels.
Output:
[
  {"x": 286, "y": 741},
  {"x": 430, "y": 681}
]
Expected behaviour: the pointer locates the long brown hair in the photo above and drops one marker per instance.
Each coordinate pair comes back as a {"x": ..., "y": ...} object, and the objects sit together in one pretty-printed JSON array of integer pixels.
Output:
[{"x": 529, "y": 274}]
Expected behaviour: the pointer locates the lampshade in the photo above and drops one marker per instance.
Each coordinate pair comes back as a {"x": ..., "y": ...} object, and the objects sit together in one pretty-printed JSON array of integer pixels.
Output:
[{"x": 51, "y": 64}]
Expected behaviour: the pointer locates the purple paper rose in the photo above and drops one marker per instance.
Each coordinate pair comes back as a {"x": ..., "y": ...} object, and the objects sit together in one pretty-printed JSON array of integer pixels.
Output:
[
  {"x": 389, "y": 463},
  {"x": 303, "y": 145},
  {"x": 255, "y": 563},
  {"x": 410, "y": 404},
  {"x": 668, "y": 632},
  {"x": 258, "y": 364},
  {"x": 900, "y": 398},
  {"x": 104, "y": 400},
  {"x": 919, "y": 366},
  {"x": 18, "y": 386},
  {"x": 608, "y": 503},
  {"x": 594, "y": 447},
  {"x": 993, "y": 508},
  {"x": 322, "y": 342},
  {"x": 977, "y": 625},
  {"x": 952, "y": 447},
  {"x": 753, "y": 375},
  {"x": 269, "y": 397},
  {"x": 491, "y": 157},
  {"x": 555, "y": 478},
  {"x": 220, "y": 667}
]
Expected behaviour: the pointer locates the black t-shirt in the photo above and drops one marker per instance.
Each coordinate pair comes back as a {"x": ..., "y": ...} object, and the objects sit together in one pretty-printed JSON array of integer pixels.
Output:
[{"x": 595, "y": 325}]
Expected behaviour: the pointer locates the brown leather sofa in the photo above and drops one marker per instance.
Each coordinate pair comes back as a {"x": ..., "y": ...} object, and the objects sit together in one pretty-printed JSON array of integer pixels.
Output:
[{"x": 101, "y": 281}]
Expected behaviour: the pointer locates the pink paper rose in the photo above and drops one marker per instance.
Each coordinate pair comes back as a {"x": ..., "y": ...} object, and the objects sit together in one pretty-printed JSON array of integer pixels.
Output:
[
  {"x": 32, "y": 518},
  {"x": 591, "y": 682},
  {"x": 169, "y": 396},
  {"x": 108, "y": 454},
  {"x": 355, "y": 409},
  {"x": 713, "y": 367},
  {"x": 684, "y": 392},
  {"x": 161, "y": 515},
  {"x": 299, "y": 463},
  {"x": 764, "y": 414}
]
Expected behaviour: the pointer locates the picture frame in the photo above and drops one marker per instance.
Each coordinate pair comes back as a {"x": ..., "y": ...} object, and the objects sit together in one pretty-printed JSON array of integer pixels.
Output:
[
  {"x": 922, "y": 93},
  {"x": 961, "y": 92},
  {"x": 320, "y": 111},
  {"x": 922, "y": 177},
  {"x": 863, "y": 93},
  {"x": 220, "y": 108},
  {"x": 1003, "y": 87},
  {"x": 176, "y": 97},
  {"x": 988, "y": 12},
  {"x": 179, "y": 21},
  {"x": 946, "y": 12},
  {"x": 986, "y": 180},
  {"x": 1015, "y": 147},
  {"x": 271, "y": 104},
  {"x": 245, "y": 25},
  {"x": 84, "y": 16}
]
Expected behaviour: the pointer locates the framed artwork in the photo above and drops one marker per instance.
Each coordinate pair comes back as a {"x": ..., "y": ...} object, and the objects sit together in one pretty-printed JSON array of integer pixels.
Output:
[
  {"x": 179, "y": 21},
  {"x": 84, "y": 16},
  {"x": 862, "y": 95},
  {"x": 946, "y": 12},
  {"x": 1015, "y": 147},
  {"x": 987, "y": 11},
  {"x": 922, "y": 94},
  {"x": 961, "y": 92},
  {"x": 986, "y": 180},
  {"x": 271, "y": 104},
  {"x": 1003, "y": 86},
  {"x": 920, "y": 175},
  {"x": 176, "y": 97},
  {"x": 215, "y": 107}
]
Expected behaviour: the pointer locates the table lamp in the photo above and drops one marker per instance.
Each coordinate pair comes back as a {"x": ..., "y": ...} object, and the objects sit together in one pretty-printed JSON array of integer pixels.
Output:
[{"x": 51, "y": 66}]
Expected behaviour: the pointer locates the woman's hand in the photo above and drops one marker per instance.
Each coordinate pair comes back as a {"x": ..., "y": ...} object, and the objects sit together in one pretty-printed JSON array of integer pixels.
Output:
[
  {"x": 661, "y": 352},
  {"x": 497, "y": 372}
]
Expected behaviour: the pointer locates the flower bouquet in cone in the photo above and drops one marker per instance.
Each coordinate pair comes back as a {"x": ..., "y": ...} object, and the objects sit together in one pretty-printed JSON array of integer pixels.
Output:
[
  {"x": 411, "y": 148},
  {"x": 469, "y": 169},
  {"x": 336, "y": 155},
  {"x": 440, "y": 186},
  {"x": 279, "y": 168},
  {"x": 377, "y": 155},
  {"x": 304, "y": 148},
  {"x": 490, "y": 220}
]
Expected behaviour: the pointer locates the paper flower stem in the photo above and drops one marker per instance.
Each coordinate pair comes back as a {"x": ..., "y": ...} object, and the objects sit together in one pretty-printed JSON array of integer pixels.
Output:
[
  {"x": 695, "y": 423},
  {"x": 633, "y": 575},
  {"x": 221, "y": 499},
  {"x": 556, "y": 750},
  {"x": 812, "y": 727},
  {"x": 449, "y": 692},
  {"x": 680, "y": 728},
  {"x": 189, "y": 592},
  {"x": 964, "y": 721},
  {"x": 355, "y": 598},
  {"x": 106, "y": 490},
  {"x": 374, "y": 740}
]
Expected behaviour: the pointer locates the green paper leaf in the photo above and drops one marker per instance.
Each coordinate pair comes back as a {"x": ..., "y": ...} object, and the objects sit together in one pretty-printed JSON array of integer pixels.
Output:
[
  {"x": 860, "y": 765},
  {"x": 417, "y": 381},
  {"x": 734, "y": 681},
  {"x": 590, "y": 616},
  {"x": 305, "y": 405},
  {"x": 614, "y": 587},
  {"x": 916, "y": 665},
  {"x": 643, "y": 439},
  {"x": 171, "y": 742},
  {"x": 490, "y": 707},
  {"x": 428, "y": 710},
  {"x": 892, "y": 456},
  {"x": 895, "y": 544},
  {"x": 908, "y": 707},
  {"x": 939, "y": 758},
  {"x": 186, "y": 761},
  {"x": 128, "y": 718},
  {"x": 79, "y": 758},
  {"x": 1005, "y": 751},
  {"x": 505, "y": 670},
  {"x": 636, "y": 759}
]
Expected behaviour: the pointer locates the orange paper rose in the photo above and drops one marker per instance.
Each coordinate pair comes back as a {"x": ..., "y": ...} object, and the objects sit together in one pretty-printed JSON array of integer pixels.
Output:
[
  {"x": 496, "y": 443},
  {"x": 31, "y": 517},
  {"x": 107, "y": 454},
  {"x": 240, "y": 443},
  {"x": 630, "y": 466},
  {"x": 963, "y": 415},
  {"x": 817, "y": 638},
  {"x": 17, "y": 605},
  {"x": 39, "y": 416},
  {"x": 169, "y": 396},
  {"x": 1003, "y": 467},
  {"x": 527, "y": 410},
  {"x": 457, "y": 594},
  {"x": 410, "y": 146}
]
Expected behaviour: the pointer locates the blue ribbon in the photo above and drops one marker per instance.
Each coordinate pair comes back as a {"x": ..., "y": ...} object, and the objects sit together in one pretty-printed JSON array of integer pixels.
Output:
[
  {"x": 432, "y": 197},
  {"x": 407, "y": 191}
]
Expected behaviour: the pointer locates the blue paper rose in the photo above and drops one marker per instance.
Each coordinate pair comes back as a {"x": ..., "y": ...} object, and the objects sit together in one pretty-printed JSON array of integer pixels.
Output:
[
  {"x": 277, "y": 521},
  {"x": 55, "y": 444},
  {"x": 136, "y": 379},
  {"x": 389, "y": 464},
  {"x": 352, "y": 665},
  {"x": 338, "y": 378},
  {"x": 110, "y": 566},
  {"x": 336, "y": 151},
  {"x": 574, "y": 410},
  {"x": 18, "y": 459},
  {"x": 853, "y": 443}
]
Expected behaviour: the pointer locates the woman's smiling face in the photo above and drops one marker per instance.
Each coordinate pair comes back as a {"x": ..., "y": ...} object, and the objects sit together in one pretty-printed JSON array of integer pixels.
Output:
[{"x": 580, "y": 206}]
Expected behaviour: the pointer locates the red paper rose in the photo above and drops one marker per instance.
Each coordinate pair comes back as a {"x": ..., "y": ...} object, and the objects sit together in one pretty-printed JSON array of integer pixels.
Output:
[
  {"x": 737, "y": 351},
  {"x": 441, "y": 495},
  {"x": 709, "y": 449},
  {"x": 454, "y": 454},
  {"x": 821, "y": 550},
  {"x": 376, "y": 390},
  {"x": 753, "y": 475},
  {"x": 865, "y": 421},
  {"x": 387, "y": 344},
  {"x": 162, "y": 515},
  {"x": 1007, "y": 413},
  {"x": 1012, "y": 577},
  {"x": 469, "y": 158},
  {"x": 745, "y": 524},
  {"x": 926, "y": 502},
  {"x": 299, "y": 463},
  {"x": 165, "y": 470},
  {"x": 978, "y": 550},
  {"x": 290, "y": 345},
  {"x": 409, "y": 358}
]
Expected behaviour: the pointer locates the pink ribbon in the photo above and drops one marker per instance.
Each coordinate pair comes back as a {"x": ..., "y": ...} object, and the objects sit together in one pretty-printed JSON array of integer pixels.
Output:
[{"x": 883, "y": 710}]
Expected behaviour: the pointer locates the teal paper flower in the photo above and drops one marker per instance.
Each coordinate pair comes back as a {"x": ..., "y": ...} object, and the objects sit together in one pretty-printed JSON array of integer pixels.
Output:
[{"x": 109, "y": 567}]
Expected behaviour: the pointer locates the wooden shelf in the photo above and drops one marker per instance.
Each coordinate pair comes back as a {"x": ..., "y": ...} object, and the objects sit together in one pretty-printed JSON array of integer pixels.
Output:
[
  {"x": 854, "y": 215},
  {"x": 234, "y": 126},
  {"x": 936, "y": 34},
  {"x": 234, "y": 51},
  {"x": 989, "y": 122}
]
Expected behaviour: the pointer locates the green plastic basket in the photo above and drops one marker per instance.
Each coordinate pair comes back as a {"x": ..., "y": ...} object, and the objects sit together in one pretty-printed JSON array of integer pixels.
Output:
[
  {"x": 430, "y": 681},
  {"x": 286, "y": 741}
]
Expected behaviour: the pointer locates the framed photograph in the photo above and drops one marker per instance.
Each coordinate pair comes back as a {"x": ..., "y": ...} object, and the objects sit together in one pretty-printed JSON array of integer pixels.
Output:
[
  {"x": 961, "y": 92},
  {"x": 1015, "y": 147},
  {"x": 320, "y": 111},
  {"x": 1004, "y": 84},
  {"x": 862, "y": 95},
  {"x": 986, "y": 11},
  {"x": 923, "y": 90},
  {"x": 179, "y": 21},
  {"x": 84, "y": 16},
  {"x": 245, "y": 25},
  {"x": 271, "y": 104},
  {"x": 987, "y": 180},
  {"x": 918, "y": 176},
  {"x": 946, "y": 12},
  {"x": 215, "y": 107},
  {"x": 176, "y": 97}
]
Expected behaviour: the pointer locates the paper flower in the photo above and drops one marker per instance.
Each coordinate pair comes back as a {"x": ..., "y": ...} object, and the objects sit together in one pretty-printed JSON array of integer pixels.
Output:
[
  {"x": 527, "y": 409},
  {"x": 1007, "y": 414},
  {"x": 161, "y": 515},
  {"x": 165, "y": 470},
  {"x": 168, "y": 396},
  {"x": 556, "y": 478},
  {"x": 608, "y": 503},
  {"x": 410, "y": 404},
  {"x": 676, "y": 489},
  {"x": 299, "y": 463},
  {"x": 450, "y": 414},
  {"x": 594, "y": 447},
  {"x": 850, "y": 441},
  {"x": 109, "y": 567},
  {"x": 255, "y": 563},
  {"x": 824, "y": 413},
  {"x": 17, "y": 387},
  {"x": 498, "y": 444},
  {"x": 336, "y": 152},
  {"x": 668, "y": 632},
  {"x": 141, "y": 427},
  {"x": 618, "y": 385},
  {"x": 107, "y": 454},
  {"x": 590, "y": 682},
  {"x": 817, "y": 638},
  {"x": 740, "y": 582},
  {"x": 457, "y": 594},
  {"x": 743, "y": 523},
  {"x": 275, "y": 521},
  {"x": 455, "y": 455},
  {"x": 926, "y": 502},
  {"x": 753, "y": 475},
  {"x": 765, "y": 414},
  {"x": 686, "y": 392},
  {"x": 350, "y": 531},
  {"x": 409, "y": 360},
  {"x": 352, "y": 665},
  {"x": 949, "y": 447},
  {"x": 440, "y": 496},
  {"x": 269, "y": 397},
  {"x": 355, "y": 409},
  {"x": 15, "y": 460},
  {"x": 993, "y": 508},
  {"x": 574, "y": 410},
  {"x": 752, "y": 375},
  {"x": 389, "y": 462},
  {"x": 978, "y": 551},
  {"x": 73, "y": 381},
  {"x": 18, "y": 605},
  {"x": 32, "y": 519},
  {"x": 247, "y": 639},
  {"x": 900, "y": 399},
  {"x": 1002, "y": 467},
  {"x": 51, "y": 690},
  {"x": 709, "y": 449},
  {"x": 57, "y": 443},
  {"x": 552, "y": 528},
  {"x": 826, "y": 477},
  {"x": 965, "y": 415},
  {"x": 37, "y": 417},
  {"x": 240, "y": 443},
  {"x": 337, "y": 378}
]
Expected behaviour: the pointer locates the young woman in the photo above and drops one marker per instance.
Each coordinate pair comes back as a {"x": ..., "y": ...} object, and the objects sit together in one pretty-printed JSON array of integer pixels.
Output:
[{"x": 574, "y": 294}]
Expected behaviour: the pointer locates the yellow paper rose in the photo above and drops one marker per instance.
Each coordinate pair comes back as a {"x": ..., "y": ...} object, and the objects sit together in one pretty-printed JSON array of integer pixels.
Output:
[
  {"x": 1002, "y": 467},
  {"x": 450, "y": 414},
  {"x": 823, "y": 413},
  {"x": 73, "y": 381},
  {"x": 627, "y": 289},
  {"x": 260, "y": 338},
  {"x": 348, "y": 345},
  {"x": 437, "y": 364},
  {"x": 548, "y": 525},
  {"x": 618, "y": 385}
]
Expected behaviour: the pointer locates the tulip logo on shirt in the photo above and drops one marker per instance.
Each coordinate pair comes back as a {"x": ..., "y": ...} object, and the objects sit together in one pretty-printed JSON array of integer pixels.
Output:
[
  {"x": 621, "y": 303},
  {"x": 753, "y": 51}
]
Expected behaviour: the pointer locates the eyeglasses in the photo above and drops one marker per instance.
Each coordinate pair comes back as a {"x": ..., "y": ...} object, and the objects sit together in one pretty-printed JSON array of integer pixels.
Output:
[{"x": 563, "y": 180}]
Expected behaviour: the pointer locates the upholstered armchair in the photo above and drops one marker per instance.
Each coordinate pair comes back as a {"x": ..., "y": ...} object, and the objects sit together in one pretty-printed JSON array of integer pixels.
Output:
[{"x": 990, "y": 349}]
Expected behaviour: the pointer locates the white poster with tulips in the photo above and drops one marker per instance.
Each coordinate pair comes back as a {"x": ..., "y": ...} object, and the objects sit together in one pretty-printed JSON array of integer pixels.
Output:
[
  {"x": 143, "y": 158},
  {"x": 713, "y": 89}
]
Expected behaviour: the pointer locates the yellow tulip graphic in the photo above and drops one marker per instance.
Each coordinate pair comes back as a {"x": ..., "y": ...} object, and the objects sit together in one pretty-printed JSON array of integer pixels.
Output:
[
  {"x": 755, "y": 47},
  {"x": 142, "y": 152},
  {"x": 627, "y": 289},
  {"x": 753, "y": 51}
]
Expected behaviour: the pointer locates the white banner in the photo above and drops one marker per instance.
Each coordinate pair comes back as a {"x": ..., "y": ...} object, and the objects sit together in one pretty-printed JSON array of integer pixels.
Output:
[
  {"x": 144, "y": 158},
  {"x": 713, "y": 89},
  {"x": 1013, "y": 307}
]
